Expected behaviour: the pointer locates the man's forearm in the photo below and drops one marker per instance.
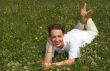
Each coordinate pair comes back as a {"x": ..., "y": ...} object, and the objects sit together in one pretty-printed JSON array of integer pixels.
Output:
[
  {"x": 48, "y": 56},
  {"x": 65, "y": 62}
]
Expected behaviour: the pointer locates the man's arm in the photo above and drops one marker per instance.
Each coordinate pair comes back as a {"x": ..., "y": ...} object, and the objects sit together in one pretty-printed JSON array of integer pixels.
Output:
[
  {"x": 48, "y": 56},
  {"x": 65, "y": 62}
]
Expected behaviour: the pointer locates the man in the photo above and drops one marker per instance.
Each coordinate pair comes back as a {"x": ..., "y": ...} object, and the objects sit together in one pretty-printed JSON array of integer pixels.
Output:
[{"x": 72, "y": 41}]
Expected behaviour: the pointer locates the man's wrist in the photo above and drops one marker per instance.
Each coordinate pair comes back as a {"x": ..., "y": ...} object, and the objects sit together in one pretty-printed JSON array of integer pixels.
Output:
[
  {"x": 63, "y": 62},
  {"x": 46, "y": 65},
  {"x": 49, "y": 52},
  {"x": 49, "y": 49},
  {"x": 50, "y": 46}
]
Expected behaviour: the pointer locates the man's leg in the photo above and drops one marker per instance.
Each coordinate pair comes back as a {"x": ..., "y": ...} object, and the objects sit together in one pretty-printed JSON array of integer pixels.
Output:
[
  {"x": 83, "y": 12},
  {"x": 79, "y": 26},
  {"x": 90, "y": 26},
  {"x": 84, "y": 19}
]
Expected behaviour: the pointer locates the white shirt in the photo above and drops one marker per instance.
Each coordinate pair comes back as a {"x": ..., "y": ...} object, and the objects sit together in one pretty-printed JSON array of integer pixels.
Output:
[{"x": 74, "y": 40}]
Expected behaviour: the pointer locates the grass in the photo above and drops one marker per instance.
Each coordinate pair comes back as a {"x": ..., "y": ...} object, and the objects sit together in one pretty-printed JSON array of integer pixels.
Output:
[{"x": 23, "y": 33}]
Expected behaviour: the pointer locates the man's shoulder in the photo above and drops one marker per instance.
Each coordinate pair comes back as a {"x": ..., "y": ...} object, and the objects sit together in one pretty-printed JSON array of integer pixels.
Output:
[
  {"x": 72, "y": 36},
  {"x": 73, "y": 31}
]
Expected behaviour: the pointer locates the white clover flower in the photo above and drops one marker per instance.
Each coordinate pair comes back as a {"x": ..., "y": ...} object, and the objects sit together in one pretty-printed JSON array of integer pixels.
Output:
[
  {"x": 8, "y": 64},
  {"x": 36, "y": 38},
  {"x": 13, "y": 64},
  {"x": 25, "y": 67},
  {"x": 40, "y": 27}
]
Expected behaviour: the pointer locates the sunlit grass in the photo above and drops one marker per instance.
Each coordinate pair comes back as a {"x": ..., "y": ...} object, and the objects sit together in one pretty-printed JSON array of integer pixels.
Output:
[{"x": 23, "y": 34}]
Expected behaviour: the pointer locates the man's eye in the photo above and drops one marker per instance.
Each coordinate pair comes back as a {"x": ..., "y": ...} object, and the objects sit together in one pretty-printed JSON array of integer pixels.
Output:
[
  {"x": 59, "y": 35},
  {"x": 53, "y": 36}
]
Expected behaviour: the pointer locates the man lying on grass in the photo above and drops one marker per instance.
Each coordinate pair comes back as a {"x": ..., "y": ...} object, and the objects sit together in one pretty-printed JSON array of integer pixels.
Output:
[{"x": 72, "y": 41}]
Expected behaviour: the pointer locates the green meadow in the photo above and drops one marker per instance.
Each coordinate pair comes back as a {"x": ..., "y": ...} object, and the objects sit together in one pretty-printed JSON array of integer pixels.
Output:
[{"x": 23, "y": 34}]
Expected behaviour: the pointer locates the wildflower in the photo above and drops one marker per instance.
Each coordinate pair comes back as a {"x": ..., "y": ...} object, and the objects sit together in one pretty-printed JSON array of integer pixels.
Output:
[
  {"x": 25, "y": 67},
  {"x": 40, "y": 27},
  {"x": 36, "y": 38}
]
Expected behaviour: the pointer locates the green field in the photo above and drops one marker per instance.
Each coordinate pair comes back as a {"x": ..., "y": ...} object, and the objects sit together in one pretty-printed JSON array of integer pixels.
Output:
[{"x": 23, "y": 34}]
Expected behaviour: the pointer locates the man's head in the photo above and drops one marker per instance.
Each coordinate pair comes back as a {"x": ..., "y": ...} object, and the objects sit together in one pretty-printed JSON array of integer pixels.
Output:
[{"x": 56, "y": 32}]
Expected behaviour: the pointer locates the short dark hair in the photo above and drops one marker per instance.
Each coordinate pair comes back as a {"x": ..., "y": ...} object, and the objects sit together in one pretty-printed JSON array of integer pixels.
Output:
[{"x": 56, "y": 26}]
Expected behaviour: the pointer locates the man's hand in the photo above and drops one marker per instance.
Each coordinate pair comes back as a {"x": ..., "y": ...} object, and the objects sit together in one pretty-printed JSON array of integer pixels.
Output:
[
  {"x": 48, "y": 56},
  {"x": 64, "y": 62},
  {"x": 50, "y": 42},
  {"x": 57, "y": 64},
  {"x": 46, "y": 65}
]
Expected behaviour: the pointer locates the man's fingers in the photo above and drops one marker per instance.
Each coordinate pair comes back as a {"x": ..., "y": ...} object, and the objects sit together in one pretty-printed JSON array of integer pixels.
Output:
[
  {"x": 50, "y": 42},
  {"x": 46, "y": 65}
]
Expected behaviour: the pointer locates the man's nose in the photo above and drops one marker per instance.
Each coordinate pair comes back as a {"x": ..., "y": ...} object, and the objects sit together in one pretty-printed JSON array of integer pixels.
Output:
[{"x": 56, "y": 38}]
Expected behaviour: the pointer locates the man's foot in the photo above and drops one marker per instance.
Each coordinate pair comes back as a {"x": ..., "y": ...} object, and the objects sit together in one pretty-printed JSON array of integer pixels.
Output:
[
  {"x": 90, "y": 13},
  {"x": 83, "y": 11},
  {"x": 86, "y": 17}
]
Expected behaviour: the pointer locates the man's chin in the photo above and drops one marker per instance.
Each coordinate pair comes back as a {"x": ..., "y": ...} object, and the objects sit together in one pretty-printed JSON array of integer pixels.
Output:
[{"x": 58, "y": 46}]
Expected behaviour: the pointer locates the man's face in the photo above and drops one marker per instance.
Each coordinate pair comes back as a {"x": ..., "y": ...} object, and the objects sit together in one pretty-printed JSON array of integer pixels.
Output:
[{"x": 57, "y": 38}]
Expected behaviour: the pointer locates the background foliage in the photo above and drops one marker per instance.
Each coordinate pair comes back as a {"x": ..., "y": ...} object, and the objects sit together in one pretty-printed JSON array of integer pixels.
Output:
[{"x": 23, "y": 33}]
